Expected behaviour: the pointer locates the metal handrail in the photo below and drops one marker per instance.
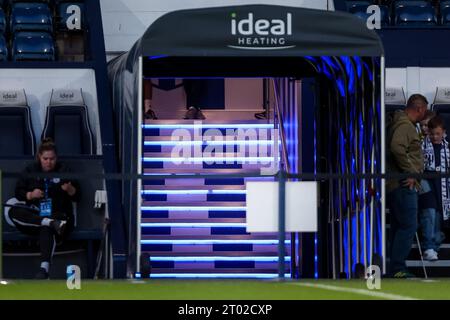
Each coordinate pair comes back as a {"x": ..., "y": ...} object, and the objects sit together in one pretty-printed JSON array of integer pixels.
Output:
[
  {"x": 281, "y": 129},
  {"x": 284, "y": 156}
]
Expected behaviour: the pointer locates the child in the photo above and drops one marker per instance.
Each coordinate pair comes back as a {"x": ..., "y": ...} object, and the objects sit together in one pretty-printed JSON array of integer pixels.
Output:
[
  {"x": 424, "y": 131},
  {"x": 434, "y": 198}
]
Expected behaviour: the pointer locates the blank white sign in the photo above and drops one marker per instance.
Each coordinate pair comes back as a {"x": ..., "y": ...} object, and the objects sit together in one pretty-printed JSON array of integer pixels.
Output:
[{"x": 301, "y": 206}]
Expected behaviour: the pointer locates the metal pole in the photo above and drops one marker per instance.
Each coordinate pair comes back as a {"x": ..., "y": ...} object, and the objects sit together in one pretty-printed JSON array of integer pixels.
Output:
[
  {"x": 139, "y": 165},
  {"x": 281, "y": 223},
  {"x": 383, "y": 167},
  {"x": 421, "y": 256},
  {"x": 1, "y": 227}
]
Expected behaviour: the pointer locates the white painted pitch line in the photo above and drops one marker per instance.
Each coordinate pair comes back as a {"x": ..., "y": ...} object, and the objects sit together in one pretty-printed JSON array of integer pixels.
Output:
[{"x": 365, "y": 292}]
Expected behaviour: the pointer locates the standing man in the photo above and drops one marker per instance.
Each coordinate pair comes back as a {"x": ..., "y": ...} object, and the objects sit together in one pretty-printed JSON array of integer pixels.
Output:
[{"x": 404, "y": 155}]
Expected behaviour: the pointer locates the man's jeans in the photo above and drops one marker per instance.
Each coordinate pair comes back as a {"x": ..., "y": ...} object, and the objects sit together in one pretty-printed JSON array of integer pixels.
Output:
[{"x": 403, "y": 205}]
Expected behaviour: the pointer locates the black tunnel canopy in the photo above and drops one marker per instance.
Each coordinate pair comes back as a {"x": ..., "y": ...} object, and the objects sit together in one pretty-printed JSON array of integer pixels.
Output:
[{"x": 259, "y": 30}]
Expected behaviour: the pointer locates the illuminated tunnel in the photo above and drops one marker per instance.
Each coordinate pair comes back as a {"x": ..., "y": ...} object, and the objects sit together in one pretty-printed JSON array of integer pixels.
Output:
[{"x": 328, "y": 74}]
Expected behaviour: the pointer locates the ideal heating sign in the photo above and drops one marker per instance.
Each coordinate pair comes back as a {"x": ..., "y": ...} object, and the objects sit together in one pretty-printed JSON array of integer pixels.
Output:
[{"x": 252, "y": 32}]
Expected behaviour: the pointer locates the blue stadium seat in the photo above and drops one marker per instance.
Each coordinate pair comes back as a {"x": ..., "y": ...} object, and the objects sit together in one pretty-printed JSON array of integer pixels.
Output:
[
  {"x": 359, "y": 8},
  {"x": 3, "y": 49},
  {"x": 417, "y": 3},
  {"x": 13, "y": 2},
  {"x": 355, "y": 6},
  {"x": 15, "y": 125},
  {"x": 67, "y": 122},
  {"x": 33, "y": 46},
  {"x": 67, "y": 12},
  {"x": 2, "y": 21},
  {"x": 445, "y": 12},
  {"x": 414, "y": 13},
  {"x": 28, "y": 16}
]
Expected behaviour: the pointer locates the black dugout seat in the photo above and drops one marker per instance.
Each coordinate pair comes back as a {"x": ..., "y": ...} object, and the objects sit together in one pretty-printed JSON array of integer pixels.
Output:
[
  {"x": 67, "y": 123},
  {"x": 394, "y": 99},
  {"x": 16, "y": 130}
]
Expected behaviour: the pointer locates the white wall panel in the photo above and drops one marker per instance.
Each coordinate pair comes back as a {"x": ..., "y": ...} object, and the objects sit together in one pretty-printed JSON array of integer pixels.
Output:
[
  {"x": 124, "y": 21},
  {"x": 418, "y": 80},
  {"x": 430, "y": 78}
]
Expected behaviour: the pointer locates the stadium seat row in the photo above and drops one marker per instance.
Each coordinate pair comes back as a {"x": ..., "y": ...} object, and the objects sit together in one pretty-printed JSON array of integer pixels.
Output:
[
  {"x": 28, "y": 45},
  {"x": 26, "y": 32},
  {"x": 66, "y": 121},
  {"x": 408, "y": 13}
]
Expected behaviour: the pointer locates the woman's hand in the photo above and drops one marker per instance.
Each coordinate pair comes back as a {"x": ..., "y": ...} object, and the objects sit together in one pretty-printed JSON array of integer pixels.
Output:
[
  {"x": 69, "y": 188},
  {"x": 35, "y": 194}
]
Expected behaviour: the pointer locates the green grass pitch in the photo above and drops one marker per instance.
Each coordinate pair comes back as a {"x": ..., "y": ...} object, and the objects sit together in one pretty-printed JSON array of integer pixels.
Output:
[{"x": 226, "y": 289}]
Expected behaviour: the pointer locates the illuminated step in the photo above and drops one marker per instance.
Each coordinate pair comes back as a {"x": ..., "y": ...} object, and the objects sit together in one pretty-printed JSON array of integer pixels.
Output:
[
  {"x": 196, "y": 196},
  {"x": 212, "y": 241},
  {"x": 216, "y": 204},
  {"x": 192, "y": 208},
  {"x": 221, "y": 160},
  {"x": 224, "y": 151},
  {"x": 200, "y": 125},
  {"x": 192, "y": 191},
  {"x": 216, "y": 258},
  {"x": 172, "y": 143},
  {"x": 206, "y": 219},
  {"x": 428, "y": 264},
  {"x": 193, "y": 216},
  {"x": 208, "y": 121},
  {"x": 193, "y": 225},
  {"x": 204, "y": 171},
  {"x": 202, "y": 188},
  {"x": 212, "y": 249},
  {"x": 222, "y": 254},
  {"x": 206, "y": 236}
]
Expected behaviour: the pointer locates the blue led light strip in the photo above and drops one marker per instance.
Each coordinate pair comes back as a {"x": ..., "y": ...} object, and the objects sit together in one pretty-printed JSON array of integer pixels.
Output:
[
  {"x": 213, "y": 259},
  {"x": 211, "y": 241},
  {"x": 181, "y": 192},
  {"x": 189, "y": 208},
  {"x": 193, "y": 225},
  {"x": 208, "y": 126},
  {"x": 218, "y": 275}
]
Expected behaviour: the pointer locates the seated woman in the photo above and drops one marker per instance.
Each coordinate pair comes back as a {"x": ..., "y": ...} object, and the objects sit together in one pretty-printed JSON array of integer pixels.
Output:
[{"x": 48, "y": 212}]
